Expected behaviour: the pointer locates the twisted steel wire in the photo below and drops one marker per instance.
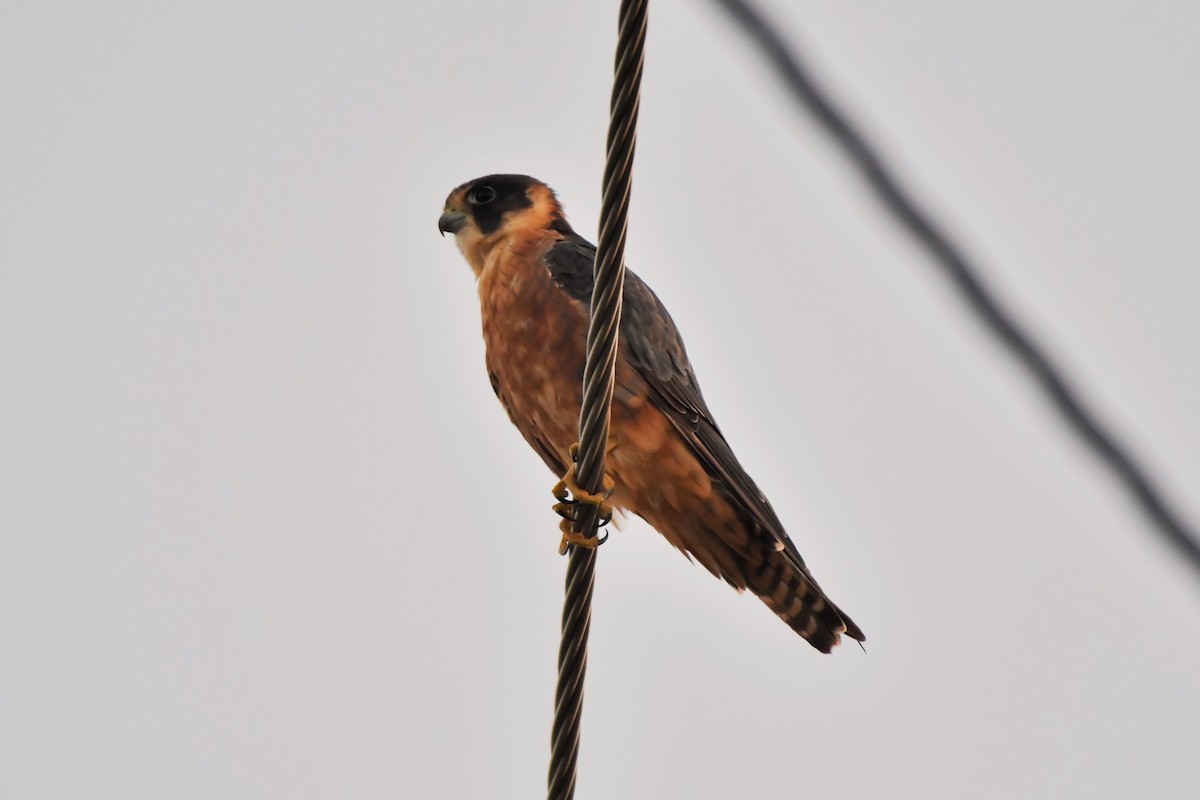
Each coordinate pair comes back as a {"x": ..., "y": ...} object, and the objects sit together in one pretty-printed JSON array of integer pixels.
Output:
[
  {"x": 598, "y": 373},
  {"x": 1066, "y": 399}
]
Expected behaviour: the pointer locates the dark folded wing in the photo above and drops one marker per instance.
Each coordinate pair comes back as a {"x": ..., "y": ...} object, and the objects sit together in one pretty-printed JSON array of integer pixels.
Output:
[{"x": 652, "y": 344}]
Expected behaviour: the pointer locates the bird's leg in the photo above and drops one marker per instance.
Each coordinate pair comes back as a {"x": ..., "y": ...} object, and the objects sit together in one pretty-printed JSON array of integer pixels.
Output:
[{"x": 565, "y": 508}]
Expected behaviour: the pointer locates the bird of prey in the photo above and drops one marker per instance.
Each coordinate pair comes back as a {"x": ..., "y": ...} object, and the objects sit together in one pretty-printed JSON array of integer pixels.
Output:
[{"x": 667, "y": 458}]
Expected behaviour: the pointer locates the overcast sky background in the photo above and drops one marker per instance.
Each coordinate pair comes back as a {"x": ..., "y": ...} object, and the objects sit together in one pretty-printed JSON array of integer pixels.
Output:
[{"x": 265, "y": 531}]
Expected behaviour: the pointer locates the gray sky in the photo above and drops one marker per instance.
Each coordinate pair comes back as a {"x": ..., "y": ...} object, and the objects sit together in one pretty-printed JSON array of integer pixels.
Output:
[{"x": 265, "y": 532}]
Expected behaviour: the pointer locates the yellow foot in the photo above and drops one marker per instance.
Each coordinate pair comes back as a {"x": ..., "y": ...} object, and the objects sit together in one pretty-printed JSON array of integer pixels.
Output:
[
  {"x": 568, "y": 492},
  {"x": 569, "y": 537}
]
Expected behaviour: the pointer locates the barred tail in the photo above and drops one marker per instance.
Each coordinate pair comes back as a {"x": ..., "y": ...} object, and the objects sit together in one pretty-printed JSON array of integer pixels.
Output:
[{"x": 790, "y": 591}]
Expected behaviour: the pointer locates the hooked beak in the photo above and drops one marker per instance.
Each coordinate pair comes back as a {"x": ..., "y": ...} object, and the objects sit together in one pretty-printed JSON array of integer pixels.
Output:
[{"x": 451, "y": 222}]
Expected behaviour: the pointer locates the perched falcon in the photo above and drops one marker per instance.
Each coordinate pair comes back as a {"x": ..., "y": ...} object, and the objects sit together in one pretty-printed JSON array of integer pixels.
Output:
[{"x": 669, "y": 461}]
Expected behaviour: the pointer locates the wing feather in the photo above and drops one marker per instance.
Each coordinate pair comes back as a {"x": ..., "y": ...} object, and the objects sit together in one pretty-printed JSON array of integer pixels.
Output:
[{"x": 652, "y": 344}]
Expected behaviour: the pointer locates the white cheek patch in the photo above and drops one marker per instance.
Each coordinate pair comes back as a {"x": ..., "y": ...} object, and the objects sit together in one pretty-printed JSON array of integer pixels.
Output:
[
  {"x": 474, "y": 245},
  {"x": 467, "y": 240}
]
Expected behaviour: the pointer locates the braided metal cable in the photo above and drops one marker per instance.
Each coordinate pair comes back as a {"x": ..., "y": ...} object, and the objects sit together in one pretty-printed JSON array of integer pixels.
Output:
[
  {"x": 598, "y": 374},
  {"x": 1070, "y": 403}
]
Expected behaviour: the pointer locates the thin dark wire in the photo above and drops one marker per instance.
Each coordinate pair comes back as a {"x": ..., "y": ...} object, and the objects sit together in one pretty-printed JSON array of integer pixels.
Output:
[
  {"x": 609, "y": 280},
  {"x": 965, "y": 277}
]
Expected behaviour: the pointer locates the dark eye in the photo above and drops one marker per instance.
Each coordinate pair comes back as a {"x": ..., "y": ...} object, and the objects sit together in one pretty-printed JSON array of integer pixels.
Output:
[{"x": 482, "y": 195}]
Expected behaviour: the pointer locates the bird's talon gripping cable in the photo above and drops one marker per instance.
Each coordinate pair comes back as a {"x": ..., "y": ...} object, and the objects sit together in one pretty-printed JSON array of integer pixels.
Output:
[
  {"x": 569, "y": 537},
  {"x": 569, "y": 492}
]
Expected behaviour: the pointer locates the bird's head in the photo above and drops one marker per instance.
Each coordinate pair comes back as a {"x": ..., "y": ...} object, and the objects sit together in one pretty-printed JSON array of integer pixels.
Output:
[{"x": 483, "y": 212}]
